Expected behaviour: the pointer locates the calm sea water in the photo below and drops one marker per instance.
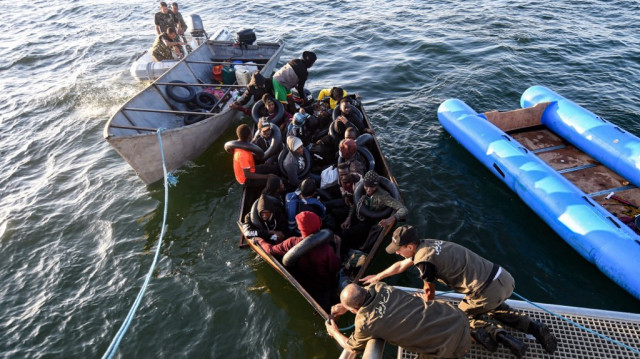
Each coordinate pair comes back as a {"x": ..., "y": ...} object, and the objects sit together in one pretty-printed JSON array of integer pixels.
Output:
[{"x": 78, "y": 228}]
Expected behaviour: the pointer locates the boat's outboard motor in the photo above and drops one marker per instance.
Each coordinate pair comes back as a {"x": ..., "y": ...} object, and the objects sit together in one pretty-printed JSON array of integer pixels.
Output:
[
  {"x": 246, "y": 37},
  {"x": 194, "y": 23}
]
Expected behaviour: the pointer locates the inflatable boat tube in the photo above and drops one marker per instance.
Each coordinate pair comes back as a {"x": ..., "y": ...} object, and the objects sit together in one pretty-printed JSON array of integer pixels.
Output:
[
  {"x": 385, "y": 213},
  {"x": 276, "y": 142},
  {"x": 307, "y": 162},
  {"x": 593, "y": 232},
  {"x": 305, "y": 246},
  {"x": 614, "y": 147},
  {"x": 255, "y": 112},
  {"x": 232, "y": 145}
]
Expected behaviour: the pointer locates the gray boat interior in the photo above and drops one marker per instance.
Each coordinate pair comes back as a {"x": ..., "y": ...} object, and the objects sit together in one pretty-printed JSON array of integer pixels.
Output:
[{"x": 141, "y": 111}]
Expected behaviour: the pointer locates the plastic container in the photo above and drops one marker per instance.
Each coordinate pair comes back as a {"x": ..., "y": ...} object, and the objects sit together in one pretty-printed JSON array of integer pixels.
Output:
[
  {"x": 242, "y": 75},
  {"x": 228, "y": 75},
  {"x": 251, "y": 67},
  {"x": 217, "y": 72}
]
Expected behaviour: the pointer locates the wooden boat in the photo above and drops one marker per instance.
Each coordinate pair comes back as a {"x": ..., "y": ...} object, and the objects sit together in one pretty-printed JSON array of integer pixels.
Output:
[
  {"x": 132, "y": 130},
  {"x": 249, "y": 196},
  {"x": 577, "y": 171}
]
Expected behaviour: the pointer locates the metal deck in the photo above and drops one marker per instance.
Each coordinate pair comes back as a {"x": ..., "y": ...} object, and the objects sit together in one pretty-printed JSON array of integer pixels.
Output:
[{"x": 573, "y": 342}]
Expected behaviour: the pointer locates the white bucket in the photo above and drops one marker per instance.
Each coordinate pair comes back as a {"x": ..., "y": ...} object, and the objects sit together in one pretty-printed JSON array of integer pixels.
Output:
[{"x": 243, "y": 76}]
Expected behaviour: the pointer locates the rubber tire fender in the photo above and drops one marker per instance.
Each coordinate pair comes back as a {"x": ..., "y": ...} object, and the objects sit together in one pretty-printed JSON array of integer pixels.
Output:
[
  {"x": 276, "y": 144},
  {"x": 258, "y": 153},
  {"x": 307, "y": 160},
  {"x": 305, "y": 246},
  {"x": 255, "y": 216},
  {"x": 205, "y": 100},
  {"x": 255, "y": 112},
  {"x": 177, "y": 97},
  {"x": 385, "y": 213}
]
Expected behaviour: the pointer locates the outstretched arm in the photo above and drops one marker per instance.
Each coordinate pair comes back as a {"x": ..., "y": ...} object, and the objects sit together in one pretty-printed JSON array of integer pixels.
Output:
[
  {"x": 395, "y": 268},
  {"x": 334, "y": 332}
]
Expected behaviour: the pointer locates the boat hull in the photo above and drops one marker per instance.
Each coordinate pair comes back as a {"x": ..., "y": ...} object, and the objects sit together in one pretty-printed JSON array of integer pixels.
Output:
[
  {"x": 591, "y": 230},
  {"x": 132, "y": 130}
]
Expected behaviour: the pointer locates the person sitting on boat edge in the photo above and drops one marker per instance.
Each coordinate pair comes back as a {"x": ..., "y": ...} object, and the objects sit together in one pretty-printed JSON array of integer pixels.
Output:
[
  {"x": 270, "y": 222},
  {"x": 163, "y": 19},
  {"x": 256, "y": 88},
  {"x": 164, "y": 45},
  {"x": 293, "y": 74},
  {"x": 244, "y": 167},
  {"x": 333, "y": 95},
  {"x": 181, "y": 26},
  {"x": 362, "y": 232},
  {"x": 316, "y": 270},
  {"x": 485, "y": 284},
  {"x": 433, "y": 330}
]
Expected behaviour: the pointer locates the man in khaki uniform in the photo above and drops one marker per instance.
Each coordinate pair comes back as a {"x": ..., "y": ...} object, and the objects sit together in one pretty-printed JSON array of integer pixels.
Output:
[
  {"x": 486, "y": 285},
  {"x": 434, "y": 329}
]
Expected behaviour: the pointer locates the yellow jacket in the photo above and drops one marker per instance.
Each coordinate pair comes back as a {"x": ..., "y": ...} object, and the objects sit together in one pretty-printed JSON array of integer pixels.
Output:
[{"x": 327, "y": 93}]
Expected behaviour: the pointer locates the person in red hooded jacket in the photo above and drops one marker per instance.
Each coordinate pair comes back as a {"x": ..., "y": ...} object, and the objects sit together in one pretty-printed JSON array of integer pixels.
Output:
[{"x": 317, "y": 270}]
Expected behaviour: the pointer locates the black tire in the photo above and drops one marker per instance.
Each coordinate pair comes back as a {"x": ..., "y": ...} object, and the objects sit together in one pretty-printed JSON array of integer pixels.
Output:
[
  {"x": 334, "y": 135},
  {"x": 385, "y": 213},
  {"x": 258, "y": 153},
  {"x": 206, "y": 100},
  {"x": 337, "y": 112},
  {"x": 305, "y": 246},
  {"x": 191, "y": 119},
  {"x": 259, "y": 105},
  {"x": 276, "y": 142},
  {"x": 177, "y": 96},
  {"x": 307, "y": 161}
]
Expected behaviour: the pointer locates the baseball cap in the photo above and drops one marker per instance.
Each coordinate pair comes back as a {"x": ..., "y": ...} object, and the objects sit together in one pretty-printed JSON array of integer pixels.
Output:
[{"x": 402, "y": 236}]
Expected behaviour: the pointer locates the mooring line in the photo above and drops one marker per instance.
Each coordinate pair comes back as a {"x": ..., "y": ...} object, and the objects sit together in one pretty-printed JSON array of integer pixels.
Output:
[
  {"x": 578, "y": 325},
  {"x": 113, "y": 347}
]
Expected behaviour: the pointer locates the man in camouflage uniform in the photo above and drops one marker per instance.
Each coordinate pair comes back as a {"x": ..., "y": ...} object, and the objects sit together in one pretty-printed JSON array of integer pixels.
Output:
[
  {"x": 164, "y": 44},
  {"x": 433, "y": 330},
  {"x": 163, "y": 19},
  {"x": 360, "y": 232},
  {"x": 485, "y": 284},
  {"x": 177, "y": 19}
]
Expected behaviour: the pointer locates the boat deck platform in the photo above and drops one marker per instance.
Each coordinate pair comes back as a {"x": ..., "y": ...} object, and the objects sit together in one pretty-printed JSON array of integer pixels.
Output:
[{"x": 573, "y": 342}]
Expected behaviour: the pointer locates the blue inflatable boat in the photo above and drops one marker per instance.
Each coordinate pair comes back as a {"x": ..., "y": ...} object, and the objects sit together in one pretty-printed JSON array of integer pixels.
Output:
[{"x": 577, "y": 171}]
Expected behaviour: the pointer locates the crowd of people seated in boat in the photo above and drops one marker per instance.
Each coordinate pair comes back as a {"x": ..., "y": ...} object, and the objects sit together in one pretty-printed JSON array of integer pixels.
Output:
[{"x": 316, "y": 171}]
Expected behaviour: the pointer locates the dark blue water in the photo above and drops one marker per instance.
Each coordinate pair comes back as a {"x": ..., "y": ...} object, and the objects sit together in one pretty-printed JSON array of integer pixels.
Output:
[{"x": 78, "y": 228}]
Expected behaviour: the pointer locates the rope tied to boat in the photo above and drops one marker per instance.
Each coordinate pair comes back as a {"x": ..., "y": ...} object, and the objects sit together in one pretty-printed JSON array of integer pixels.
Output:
[
  {"x": 111, "y": 350},
  {"x": 579, "y": 325}
]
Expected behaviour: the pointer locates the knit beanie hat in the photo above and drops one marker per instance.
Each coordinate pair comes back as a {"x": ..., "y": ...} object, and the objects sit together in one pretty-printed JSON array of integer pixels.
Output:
[{"x": 293, "y": 143}]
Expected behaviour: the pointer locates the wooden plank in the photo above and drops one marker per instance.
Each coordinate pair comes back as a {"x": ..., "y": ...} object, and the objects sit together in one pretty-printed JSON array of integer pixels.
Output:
[
  {"x": 538, "y": 139},
  {"x": 517, "y": 119}
]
